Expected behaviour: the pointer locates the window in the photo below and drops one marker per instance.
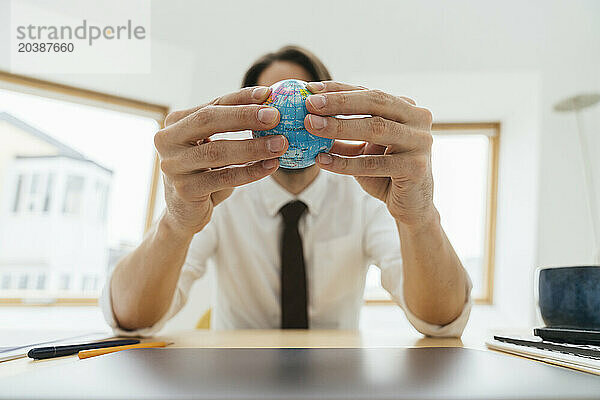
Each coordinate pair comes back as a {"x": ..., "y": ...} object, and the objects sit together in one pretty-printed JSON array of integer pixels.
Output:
[
  {"x": 34, "y": 188},
  {"x": 87, "y": 283},
  {"x": 33, "y": 191},
  {"x": 65, "y": 281},
  {"x": 23, "y": 282},
  {"x": 6, "y": 281},
  {"x": 73, "y": 195},
  {"x": 18, "y": 194},
  {"x": 102, "y": 199},
  {"x": 465, "y": 165},
  {"x": 41, "y": 282},
  {"x": 49, "y": 188},
  {"x": 69, "y": 197}
]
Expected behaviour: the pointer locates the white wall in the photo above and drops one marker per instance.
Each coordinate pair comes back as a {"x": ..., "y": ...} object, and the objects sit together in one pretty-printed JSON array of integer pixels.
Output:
[{"x": 467, "y": 60}]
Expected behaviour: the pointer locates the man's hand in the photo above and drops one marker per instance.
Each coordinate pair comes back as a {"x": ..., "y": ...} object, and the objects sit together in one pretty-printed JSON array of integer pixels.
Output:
[
  {"x": 393, "y": 162},
  {"x": 199, "y": 172}
]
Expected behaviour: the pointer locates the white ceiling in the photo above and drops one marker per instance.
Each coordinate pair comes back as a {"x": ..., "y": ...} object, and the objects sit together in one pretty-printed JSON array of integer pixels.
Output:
[{"x": 202, "y": 48}]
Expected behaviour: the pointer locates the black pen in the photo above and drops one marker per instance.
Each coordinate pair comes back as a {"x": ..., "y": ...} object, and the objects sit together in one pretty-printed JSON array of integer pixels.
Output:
[{"x": 40, "y": 353}]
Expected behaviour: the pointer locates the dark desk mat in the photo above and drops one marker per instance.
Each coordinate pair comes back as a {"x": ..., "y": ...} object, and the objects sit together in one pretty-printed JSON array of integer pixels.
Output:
[{"x": 379, "y": 373}]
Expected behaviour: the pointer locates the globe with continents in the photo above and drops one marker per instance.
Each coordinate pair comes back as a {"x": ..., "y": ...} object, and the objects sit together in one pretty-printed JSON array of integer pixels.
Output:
[{"x": 289, "y": 97}]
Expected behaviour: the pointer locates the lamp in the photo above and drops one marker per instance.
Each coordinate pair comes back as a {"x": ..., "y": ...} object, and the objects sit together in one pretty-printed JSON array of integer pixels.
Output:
[{"x": 575, "y": 104}]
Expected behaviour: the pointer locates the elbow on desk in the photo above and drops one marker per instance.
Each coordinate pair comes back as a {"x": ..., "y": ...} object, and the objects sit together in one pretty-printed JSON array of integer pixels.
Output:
[{"x": 132, "y": 316}]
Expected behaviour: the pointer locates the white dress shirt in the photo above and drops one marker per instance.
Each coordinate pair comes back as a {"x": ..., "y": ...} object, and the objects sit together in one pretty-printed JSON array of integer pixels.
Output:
[{"x": 343, "y": 232}]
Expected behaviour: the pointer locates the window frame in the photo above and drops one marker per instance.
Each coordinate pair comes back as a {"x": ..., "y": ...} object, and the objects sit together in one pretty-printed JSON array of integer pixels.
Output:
[
  {"x": 491, "y": 204},
  {"x": 59, "y": 91}
]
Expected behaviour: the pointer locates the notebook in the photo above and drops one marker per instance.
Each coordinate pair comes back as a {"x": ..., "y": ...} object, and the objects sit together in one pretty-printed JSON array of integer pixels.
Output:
[{"x": 576, "y": 356}]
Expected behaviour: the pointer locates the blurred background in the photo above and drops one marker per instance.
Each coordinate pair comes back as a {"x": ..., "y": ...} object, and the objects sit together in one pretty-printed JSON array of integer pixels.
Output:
[{"x": 510, "y": 183}]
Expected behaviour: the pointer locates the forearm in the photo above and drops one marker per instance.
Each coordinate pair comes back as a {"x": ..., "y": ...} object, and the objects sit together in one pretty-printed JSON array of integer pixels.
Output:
[
  {"x": 434, "y": 278},
  {"x": 143, "y": 283}
]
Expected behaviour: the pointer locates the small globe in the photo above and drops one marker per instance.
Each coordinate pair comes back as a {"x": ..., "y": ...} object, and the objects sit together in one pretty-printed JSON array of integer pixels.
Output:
[{"x": 289, "y": 97}]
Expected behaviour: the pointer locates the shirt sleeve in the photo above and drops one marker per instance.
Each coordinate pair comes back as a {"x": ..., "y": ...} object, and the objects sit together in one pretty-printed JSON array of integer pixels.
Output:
[
  {"x": 382, "y": 246},
  {"x": 202, "y": 247}
]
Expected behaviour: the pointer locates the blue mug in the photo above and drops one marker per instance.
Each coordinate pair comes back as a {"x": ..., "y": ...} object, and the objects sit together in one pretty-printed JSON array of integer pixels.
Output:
[{"x": 569, "y": 297}]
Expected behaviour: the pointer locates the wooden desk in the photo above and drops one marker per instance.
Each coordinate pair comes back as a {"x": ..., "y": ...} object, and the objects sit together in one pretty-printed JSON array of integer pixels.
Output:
[
  {"x": 311, "y": 338},
  {"x": 269, "y": 338}
]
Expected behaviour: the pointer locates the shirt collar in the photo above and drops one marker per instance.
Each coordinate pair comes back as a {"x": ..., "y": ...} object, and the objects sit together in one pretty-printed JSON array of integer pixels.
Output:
[{"x": 274, "y": 196}]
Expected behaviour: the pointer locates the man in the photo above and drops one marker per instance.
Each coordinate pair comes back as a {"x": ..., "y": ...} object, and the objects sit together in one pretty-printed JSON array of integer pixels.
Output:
[{"x": 291, "y": 247}]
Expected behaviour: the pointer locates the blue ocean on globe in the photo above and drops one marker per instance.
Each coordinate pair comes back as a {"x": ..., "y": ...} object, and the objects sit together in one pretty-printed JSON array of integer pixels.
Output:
[{"x": 289, "y": 97}]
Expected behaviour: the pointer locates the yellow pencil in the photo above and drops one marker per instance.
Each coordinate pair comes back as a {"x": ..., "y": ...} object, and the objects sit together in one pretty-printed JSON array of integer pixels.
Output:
[{"x": 98, "y": 352}]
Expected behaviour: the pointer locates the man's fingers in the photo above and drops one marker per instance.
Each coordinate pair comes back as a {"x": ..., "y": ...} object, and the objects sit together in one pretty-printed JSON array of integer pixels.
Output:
[
  {"x": 348, "y": 149},
  {"x": 393, "y": 165},
  {"x": 197, "y": 186},
  {"x": 353, "y": 149},
  {"x": 209, "y": 120},
  {"x": 175, "y": 116},
  {"x": 373, "y": 148},
  {"x": 378, "y": 165},
  {"x": 221, "y": 153},
  {"x": 375, "y": 130},
  {"x": 331, "y": 86},
  {"x": 249, "y": 95},
  {"x": 411, "y": 101},
  {"x": 229, "y": 177},
  {"x": 367, "y": 102}
]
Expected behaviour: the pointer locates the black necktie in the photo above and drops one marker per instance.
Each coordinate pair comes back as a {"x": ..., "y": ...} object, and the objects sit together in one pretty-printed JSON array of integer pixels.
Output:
[{"x": 294, "y": 314}]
